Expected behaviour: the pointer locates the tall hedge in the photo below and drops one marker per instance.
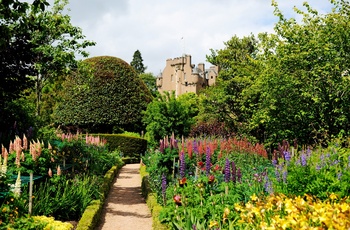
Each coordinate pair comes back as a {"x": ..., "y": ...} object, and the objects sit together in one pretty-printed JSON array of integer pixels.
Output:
[{"x": 103, "y": 95}]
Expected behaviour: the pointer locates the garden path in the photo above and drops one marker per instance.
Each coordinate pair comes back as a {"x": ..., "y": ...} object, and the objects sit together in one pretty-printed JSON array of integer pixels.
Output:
[{"x": 125, "y": 208}]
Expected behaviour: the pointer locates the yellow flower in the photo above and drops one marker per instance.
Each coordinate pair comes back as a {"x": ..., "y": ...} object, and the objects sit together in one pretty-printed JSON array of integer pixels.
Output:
[
  {"x": 254, "y": 197},
  {"x": 333, "y": 196},
  {"x": 4, "y": 209},
  {"x": 226, "y": 213},
  {"x": 213, "y": 223}
]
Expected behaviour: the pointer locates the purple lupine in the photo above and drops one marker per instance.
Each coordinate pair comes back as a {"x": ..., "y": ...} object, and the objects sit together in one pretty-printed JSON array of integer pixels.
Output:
[
  {"x": 287, "y": 155},
  {"x": 268, "y": 185},
  {"x": 274, "y": 162},
  {"x": 227, "y": 170},
  {"x": 339, "y": 175},
  {"x": 207, "y": 161},
  {"x": 233, "y": 166},
  {"x": 194, "y": 227},
  {"x": 284, "y": 175},
  {"x": 349, "y": 161},
  {"x": 303, "y": 159},
  {"x": 239, "y": 175},
  {"x": 164, "y": 185},
  {"x": 182, "y": 165}
]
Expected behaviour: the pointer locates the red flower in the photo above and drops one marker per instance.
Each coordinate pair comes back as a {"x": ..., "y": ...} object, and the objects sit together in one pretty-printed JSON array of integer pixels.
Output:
[
  {"x": 200, "y": 164},
  {"x": 182, "y": 181},
  {"x": 211, "y": 179},
  {"x": 177, "y": 199}
]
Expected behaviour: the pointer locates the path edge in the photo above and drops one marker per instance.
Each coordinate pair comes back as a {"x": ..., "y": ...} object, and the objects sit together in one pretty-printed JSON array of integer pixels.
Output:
[
  {"x": 92, "y": 214},
  {"x": 151, "y": 200}
]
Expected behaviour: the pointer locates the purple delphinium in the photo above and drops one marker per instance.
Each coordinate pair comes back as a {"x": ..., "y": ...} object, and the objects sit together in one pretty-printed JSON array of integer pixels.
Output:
[
  {"x": 233, "y": 178},
  {"x": 284, "y": 175},
  {"x": 207, "y": 161},
  {"x": 227, "y": 170},
  {"x": 239, "y": 175},
  {"x": 182, "y": 165}
]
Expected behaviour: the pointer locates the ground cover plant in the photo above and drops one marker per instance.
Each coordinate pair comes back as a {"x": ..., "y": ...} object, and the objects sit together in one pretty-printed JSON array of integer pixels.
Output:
[
  {"x": 233, "y": 184},
  {"x": 68, "y": 173}
]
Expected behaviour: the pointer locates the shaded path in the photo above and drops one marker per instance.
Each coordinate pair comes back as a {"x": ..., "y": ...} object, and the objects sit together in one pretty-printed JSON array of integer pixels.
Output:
[{"x": 125, "y": 208}]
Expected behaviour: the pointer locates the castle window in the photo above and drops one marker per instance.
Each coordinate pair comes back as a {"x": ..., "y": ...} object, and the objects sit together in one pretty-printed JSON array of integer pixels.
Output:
[{"x": 172, "y": 78}]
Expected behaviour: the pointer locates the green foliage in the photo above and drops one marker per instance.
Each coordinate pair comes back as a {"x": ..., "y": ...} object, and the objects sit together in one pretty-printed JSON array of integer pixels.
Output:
[
  {"x": 167, "y": 114},
  {"x": 150, "y": 80},
  {"x": 137, "y": 63},
  {"x": 54, "y": 196},
  {"x": 103, "y": 94}
]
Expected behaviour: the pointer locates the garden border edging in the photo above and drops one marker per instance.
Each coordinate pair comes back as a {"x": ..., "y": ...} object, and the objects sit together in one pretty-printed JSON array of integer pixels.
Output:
[{"x": 91, "y": 216}]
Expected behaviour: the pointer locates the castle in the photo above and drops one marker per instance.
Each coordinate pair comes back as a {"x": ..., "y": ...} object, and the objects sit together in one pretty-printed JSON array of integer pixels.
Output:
[{"x": 181, "y": 76}]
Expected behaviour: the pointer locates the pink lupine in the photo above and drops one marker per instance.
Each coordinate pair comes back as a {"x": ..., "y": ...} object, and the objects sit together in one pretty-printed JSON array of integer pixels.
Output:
[
  {"x": 25, "y": 142},
  {"x": 59, "y": 172},
  {"x": 50, "y": 172}
]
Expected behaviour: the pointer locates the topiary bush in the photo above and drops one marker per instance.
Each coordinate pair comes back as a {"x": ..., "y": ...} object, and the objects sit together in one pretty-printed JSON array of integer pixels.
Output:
[{"x": 103, "y": 95}]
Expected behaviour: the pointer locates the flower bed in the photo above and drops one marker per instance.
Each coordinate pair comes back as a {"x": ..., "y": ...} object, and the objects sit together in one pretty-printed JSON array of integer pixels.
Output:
[{"x": 231, "y": 184}]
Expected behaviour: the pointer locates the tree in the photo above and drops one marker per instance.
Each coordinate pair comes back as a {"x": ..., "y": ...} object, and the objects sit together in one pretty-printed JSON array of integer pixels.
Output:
[
  {"x": 233, "y": 99},
  {"x": 104, "y": 95},
  {"x": 55, "y": 42},
  {"x": 16, "y": 62},
  {"x": 305, "y": 83},
  {"x": 167, "y": 114},
  {"x": 16, "y": 50},
  {"x": 137, "y": 63},
  {"x": 150, "y": 80}
]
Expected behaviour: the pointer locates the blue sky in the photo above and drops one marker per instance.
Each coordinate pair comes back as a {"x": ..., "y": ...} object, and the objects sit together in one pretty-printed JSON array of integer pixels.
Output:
[{"x": 163, "y": 29}]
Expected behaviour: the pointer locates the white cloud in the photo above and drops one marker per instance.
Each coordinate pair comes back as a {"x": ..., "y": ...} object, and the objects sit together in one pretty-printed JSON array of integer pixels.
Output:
[{"x": 155, "y": 27}]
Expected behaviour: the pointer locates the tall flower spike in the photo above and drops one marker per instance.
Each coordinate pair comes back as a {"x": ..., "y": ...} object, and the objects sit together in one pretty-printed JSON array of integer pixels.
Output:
[
  {"x": 233, "y": 172},
  {"x": 59, "y": 172},
  {"x": 182, "y": 165},
  {"x": 227, "y": 170},
  {"x": 207, "y": 161}
]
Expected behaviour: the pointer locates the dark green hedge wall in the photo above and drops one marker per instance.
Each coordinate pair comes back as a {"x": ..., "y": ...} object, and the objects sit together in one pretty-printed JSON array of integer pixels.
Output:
[{"x": 130, "y": 146}]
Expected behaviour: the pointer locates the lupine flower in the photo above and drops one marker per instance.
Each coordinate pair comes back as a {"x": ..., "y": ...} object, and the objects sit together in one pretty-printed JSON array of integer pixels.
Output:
[
  {"x": 339, "y": 175},
  {"x": 182, "y": 165},
  {"x": 59, "y": 172},
  {"x": 227, "y": 170},
  {"x": 161, "y": 146},
  {"x": 163, "y": 186},
  {"x": 287, "y": 155},
  {"x": 239, "y": 175},
  {"x": 195, "y": 147},
  {"x": 268, "y": 185},
  {"x": 303, "y": 159},
  {"x": 194, "y": 227},
  {"x": 50, "y": 172},
  {"x": 233, "y": 172},
  {"x": 349, "y": 161},
  {"x": 284, "y": 175},
  {"x": 207, "y": 161}
]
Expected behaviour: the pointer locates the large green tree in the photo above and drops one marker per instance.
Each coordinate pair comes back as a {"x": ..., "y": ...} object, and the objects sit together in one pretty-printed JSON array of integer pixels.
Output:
[
  {"x": 167, "y": 114},
  {"x": 56, "y": 43},
  {"x": 137, "y": 62},
  {"x": 104, "y": 95},
  {"x": 305, "y": 83},
  {"x": 233, "y": 99}
]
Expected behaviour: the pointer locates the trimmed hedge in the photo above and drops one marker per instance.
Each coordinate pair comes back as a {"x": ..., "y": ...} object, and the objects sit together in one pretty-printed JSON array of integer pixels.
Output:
[
  {"x": 92, "y": 214},
  {"x": 151, "y": 201},
  {"x": 131, "y": 147}
]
